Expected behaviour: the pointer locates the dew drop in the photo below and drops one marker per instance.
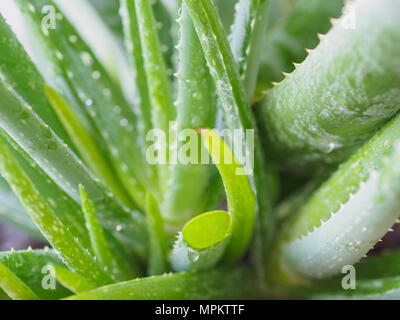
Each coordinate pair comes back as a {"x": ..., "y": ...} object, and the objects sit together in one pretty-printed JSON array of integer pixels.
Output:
[
  {"x": 96, "y": 75},
  {"x": 193, "y": 255},
  {"x": 123, "y": 122},
  {"x": 73, "y": 38},
  {"x": 86, "y": 59}
]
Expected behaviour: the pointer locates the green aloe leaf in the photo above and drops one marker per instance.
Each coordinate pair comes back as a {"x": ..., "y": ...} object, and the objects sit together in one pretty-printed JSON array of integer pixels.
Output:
[
  {"x": 11, "y": 211},
  {"x": 313, "y": 115},
  {"x": 62, "y": 166},
  {"x": 13, "y": 286},
  {"x": 101, "y": 248},
  {"x": 86, "y": 144},
  {"x": 157, "y": 78},
  {"x": 14, "y": 61},
  {"x": 293, "y": 26},
  {"x": 350, "y": 212},
  {"x": 369, "y": 289},
  {"x": 238, "y": 283},
  {"x": 233, "y": 100},
  {"x": 158, "y": 242},
  {"x": 72, "y": 281},
  {"x": 133, "y": 45},
  {"x": 89, "y": 89},
  {"x": 58, "y": 234},
  {"x": 248, "y": 30},
  {"x": 203, "y": 242},
  {"x": 67, "y": 211},
  {"x": 376, "y": 277},
  {"x": 164, "y": 24},
  {"x": 31, "y": 267},
  {"x": 239, "y": 194},
  {"x": 196, "y": 107}
]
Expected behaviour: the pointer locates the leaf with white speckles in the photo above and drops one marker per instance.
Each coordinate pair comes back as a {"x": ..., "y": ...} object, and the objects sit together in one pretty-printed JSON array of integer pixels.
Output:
[
  {"x": 14, "y": 61},
  {"x": 196, "y": 107},
  {"x": 235, "y": 106},
  {"x": 346, "y": 89},
  {"x": 28, "y": 265},
  {"x": 56, "y": 232},
  {"x": 11, "y": 211},
  {"x": 248, "y": 29},
  {"x": 62, "y": 166},
  {"x": 350, "y": 212},
  {"x": 208, "y": 285},
  {"x": 78, "y": 75}
]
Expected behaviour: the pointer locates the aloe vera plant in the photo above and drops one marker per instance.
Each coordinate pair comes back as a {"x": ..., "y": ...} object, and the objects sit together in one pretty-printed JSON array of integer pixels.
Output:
[{"x": 163, "y": 180}]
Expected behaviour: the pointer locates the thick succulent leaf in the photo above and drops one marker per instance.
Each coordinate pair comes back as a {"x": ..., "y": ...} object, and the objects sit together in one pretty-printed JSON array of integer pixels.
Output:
[
  {"x": 67, "y": 210},
  {"x": 94, "y": 29},
  {"x": 239, "y": 193},
  {"x": 233, "y": 100},
  {"x": 238, "y": 283},
  {"x": 165, "y": 32},
  {"x": 11, "y": 211},
  {"x": 89, "y": 89},
  {"x": 198, "y": 250},
  {"x": 376, "y": 277},
  {"x": 375, "y": 289},
  {"x": 196, "y": 107},
  {"x": 73, "y": 281},
  {"x": 30, "y": 267},
  {"x": 246, "y": 37},
  {"x": 135, "y": 51},
  {"x": 58, "y": 234},
  {"x": 17, "y": 69},
  {"x": 313, "y": 115},
  {"x": 157, "y": 79},
  {"x": 158, "y": 242},
  {"x": 13, "y": 286},
  {"x": 293, "y": 26},
  {"x": 62, "y": 166},
  {"x": 86, "y": 145},
  {"x": 350, "y": 212},
  {"x": 101, "y": 248}
]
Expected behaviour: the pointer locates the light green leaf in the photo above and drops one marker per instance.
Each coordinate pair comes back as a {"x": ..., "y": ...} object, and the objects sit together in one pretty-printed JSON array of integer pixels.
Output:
[
  {"x": 237, "y": 113},
  {"x": 327, "y": 107},
  {"x": 240, "y": 195},
  {"x": 157, "y": 78},
  {"x": 82, "y": 80},
  {"x": 86, "y": 144},
  {"x": 30, "y": 266},
  {"x": 13, "y": 286},
  {"x": 11, "y": 211},
  {"x": 238, "y": 283},
  {"x": 293, "y": 26},
  {"x": 350, "y": 212},
  {"x": 62, "y": 166},
  {"x": 58, "y": 234},
  {"x": 17, "y": 69},
  {"x": 158, "y": 242},
  {"x": 203, "y": 242},
  {"x": 101, "y": 248},
  {"x": 73, "y": 281},
  {"x": 196, "y": 108},
  {"x": 246, "y": 37}
]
